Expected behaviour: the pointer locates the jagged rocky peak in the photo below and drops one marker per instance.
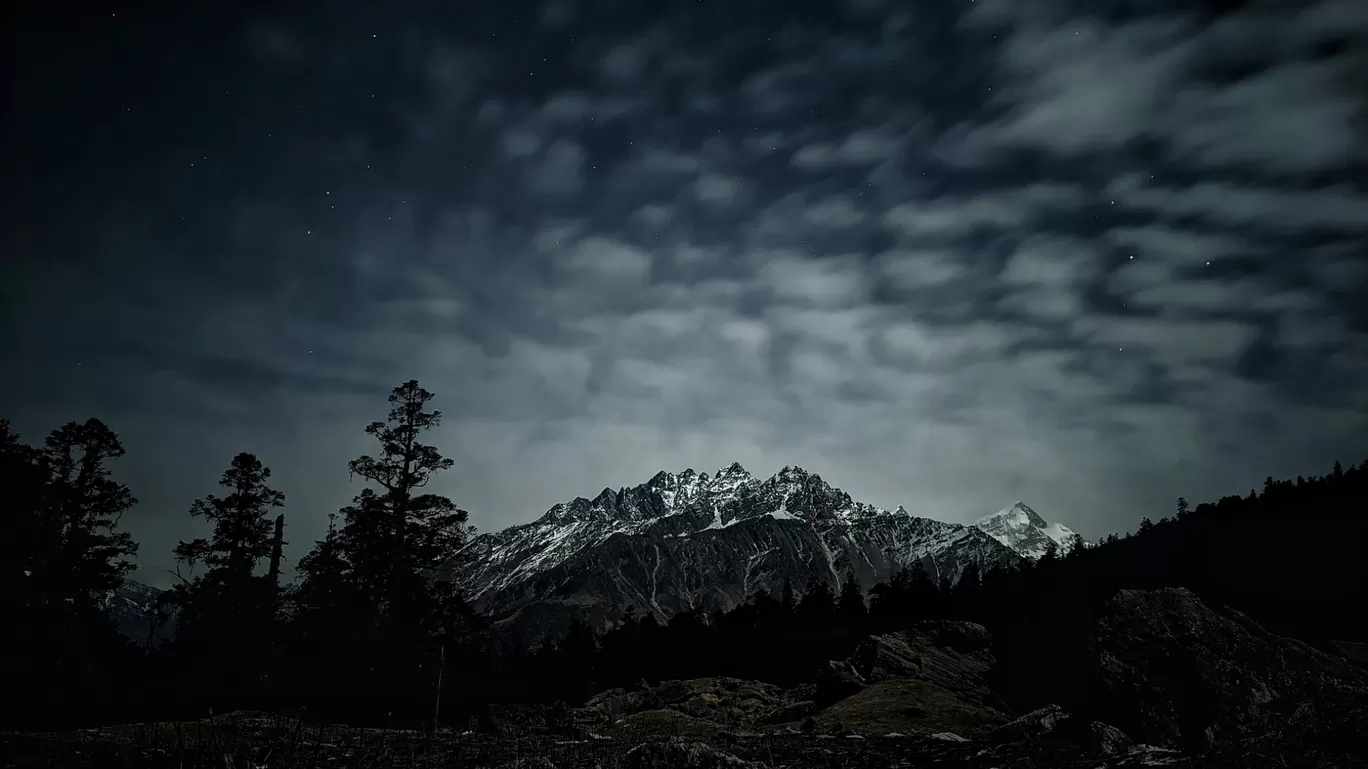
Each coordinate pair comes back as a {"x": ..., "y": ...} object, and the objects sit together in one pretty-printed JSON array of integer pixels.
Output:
[
  {"x": 573, "y": 510},
  {"x": 792, "y": 478},
  {"x": 733, "y": 470},
  {"x": 806, "y": 494}
]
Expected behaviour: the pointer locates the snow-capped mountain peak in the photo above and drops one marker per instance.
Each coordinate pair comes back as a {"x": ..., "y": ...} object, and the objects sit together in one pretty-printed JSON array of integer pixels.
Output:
[
  {"x": 1026, "y": 533},
  {"x": 687, "y": 539},
  {"x": 1019, "y": 513}
]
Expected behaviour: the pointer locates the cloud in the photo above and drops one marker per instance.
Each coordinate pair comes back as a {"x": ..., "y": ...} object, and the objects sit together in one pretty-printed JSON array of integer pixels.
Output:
[
  {"x": 1172, "y": 341},
  {"x": 912, "y": 269},
  {"x": 830, "y": 282},
  {"x": 1336, "y": 207},
  {"x": 834, "y": 213},
  {"x": 862, "y": 147},
  {"x": 1249, "y": 89},
  {"x": 784, "y": 246},
  {"x": 957, "y": 217},
  {"x": 718, "y": 189},
  {"x": 561, "y": 169},
  {"x": 603, "y": 259},
  {"x": 518, "y": 142}
]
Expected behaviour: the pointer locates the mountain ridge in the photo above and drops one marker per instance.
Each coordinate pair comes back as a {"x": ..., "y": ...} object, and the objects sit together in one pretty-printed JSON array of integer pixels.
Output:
[{"x": 694, "y": 541}]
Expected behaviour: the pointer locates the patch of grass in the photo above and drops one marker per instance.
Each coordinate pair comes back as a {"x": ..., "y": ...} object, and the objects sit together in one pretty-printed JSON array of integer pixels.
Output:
[{"x": 911, "y": 707}]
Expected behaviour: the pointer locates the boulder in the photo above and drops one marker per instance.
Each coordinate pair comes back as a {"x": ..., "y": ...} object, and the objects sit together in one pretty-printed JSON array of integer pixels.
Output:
[
  {"x": 790, "y": 712},
  {"x": 836, "y": 681},
  {"x": 883, "y": 656},
  {"x": 1175, "y": 673},
  {"x": 955, "y": 656},
  {"x": 1038, "y": 723},
  {"x": 966, "y": 638},
  {"x": 1108, "y": 740}
]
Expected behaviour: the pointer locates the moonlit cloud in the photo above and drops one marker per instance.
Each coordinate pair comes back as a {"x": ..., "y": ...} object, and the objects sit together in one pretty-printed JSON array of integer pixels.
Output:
[{"x": 948, "y": 258}]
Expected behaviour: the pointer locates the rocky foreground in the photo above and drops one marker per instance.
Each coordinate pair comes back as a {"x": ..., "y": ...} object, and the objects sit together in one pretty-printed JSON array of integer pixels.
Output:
[{"x": 1181, "y": 685}]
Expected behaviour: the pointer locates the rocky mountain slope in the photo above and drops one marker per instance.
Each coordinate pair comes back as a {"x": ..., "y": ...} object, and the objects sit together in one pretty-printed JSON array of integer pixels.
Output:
[
  {"x": 1025, "y": 532},
  {"x": 691, "y": 540}
]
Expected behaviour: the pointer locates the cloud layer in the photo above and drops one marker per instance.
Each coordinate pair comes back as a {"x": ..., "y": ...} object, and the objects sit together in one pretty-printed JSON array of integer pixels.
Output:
[{"x": 1090, "y": 257}]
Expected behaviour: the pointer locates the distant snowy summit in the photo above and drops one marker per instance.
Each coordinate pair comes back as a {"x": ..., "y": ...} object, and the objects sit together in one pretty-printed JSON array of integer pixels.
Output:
[
  {"x": 1026, "y": 533},
  {"x": 692, "y": 540}
]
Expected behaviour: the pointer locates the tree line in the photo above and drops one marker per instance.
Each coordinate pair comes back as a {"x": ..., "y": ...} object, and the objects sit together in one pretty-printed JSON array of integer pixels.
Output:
[
  {"x": 371, "y": 631},
  {"x": 366, "y": 626}
]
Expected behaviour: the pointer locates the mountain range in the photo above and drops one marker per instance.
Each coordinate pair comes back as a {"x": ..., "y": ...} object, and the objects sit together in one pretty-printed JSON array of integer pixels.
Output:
[
  {"x": 691, "y": 540},
  {"x": 684, "y": 541}
]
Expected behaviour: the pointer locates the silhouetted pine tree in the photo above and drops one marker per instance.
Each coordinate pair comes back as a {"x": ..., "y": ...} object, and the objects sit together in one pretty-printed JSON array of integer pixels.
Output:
[
  {"x": 393, "y": 535},
  {"x": 242, "y": 526},
  {"x": 325, "y": 602},
  {"x": 909, "y": 596},
  {"x": 852, "y": 603},
  {"x": 375, "y": 578},
  {"x": 818, "y": 604},
  {"x": 1051, "y": 553},
  {"x": 71, "y": 662},
  {"x": 84, "y": 505},
  {"x": 226, "y": 618},
  {"x": 965, "y": 595}
]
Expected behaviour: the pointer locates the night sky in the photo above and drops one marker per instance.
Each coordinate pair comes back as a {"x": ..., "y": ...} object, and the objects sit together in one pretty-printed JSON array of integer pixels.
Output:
[{"x": 1090, "y": 255}]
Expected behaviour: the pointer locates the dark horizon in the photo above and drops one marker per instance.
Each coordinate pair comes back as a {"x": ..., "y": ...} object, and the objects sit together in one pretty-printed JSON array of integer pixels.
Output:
[{"x": 946, "y": 257}]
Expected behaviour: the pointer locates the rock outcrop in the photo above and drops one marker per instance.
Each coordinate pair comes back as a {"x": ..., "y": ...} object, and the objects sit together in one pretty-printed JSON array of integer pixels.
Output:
[
  {"x": 954, "y": 656},
  {"x": 1174, "y": 672},
  {"x": 1032, "y": 725},
  {"x": 835, "y": 682},
  {"x": 929, "y": 679}
]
